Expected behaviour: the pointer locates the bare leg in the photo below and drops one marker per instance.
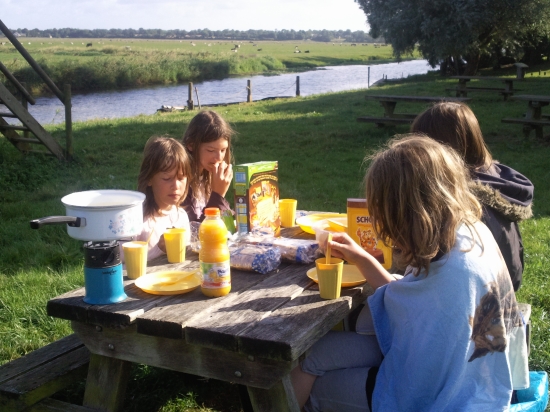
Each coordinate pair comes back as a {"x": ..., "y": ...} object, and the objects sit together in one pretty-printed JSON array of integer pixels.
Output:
[{"x": 302, "y": 383}]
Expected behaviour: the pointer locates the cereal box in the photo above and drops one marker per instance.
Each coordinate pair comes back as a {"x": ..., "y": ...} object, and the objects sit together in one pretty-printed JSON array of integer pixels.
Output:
[
  {"x": 360, "y": 229},
  {"x": 257, "y": 196}
]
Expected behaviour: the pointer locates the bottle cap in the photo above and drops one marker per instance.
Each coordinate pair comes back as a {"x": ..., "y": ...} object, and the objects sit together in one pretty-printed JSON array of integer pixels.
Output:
[{"x": 212, "y": 211}]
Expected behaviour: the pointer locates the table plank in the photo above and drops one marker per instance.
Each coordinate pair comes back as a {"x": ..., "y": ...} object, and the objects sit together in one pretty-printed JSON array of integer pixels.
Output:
[
  {"x": 219, "y": 325},
  {"x": 493, "y": 78},
  {"x": 531, "y": 97},
  {"x": 170, "y": 318},
  {"x": 417, "y": 99},
  {"x": 293, "y": 328}
]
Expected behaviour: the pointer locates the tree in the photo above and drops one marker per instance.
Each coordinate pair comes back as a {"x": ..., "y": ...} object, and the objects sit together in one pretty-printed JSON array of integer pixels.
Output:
[{"x": 455, "y": 29}]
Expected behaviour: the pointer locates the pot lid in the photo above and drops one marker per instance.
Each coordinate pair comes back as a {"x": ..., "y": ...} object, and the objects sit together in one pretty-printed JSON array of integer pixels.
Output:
[{"x": 103, "y": 199}]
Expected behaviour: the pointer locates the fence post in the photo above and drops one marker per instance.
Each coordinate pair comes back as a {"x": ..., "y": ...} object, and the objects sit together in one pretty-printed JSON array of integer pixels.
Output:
[
  {"x": 249, "y": 88},
  {"x": 198, "y": 100},
  {"x": 68, "y": 122},
  {"x": 297, "y": 86},
  {"x": 368, "y": 77},
  {"x": 190, "y": 104}
]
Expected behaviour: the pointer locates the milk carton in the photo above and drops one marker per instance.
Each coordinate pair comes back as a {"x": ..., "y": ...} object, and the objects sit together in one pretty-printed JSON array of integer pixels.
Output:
[
  {"x": 360, "y": 229},
  {"x": 257, "y": 196}
]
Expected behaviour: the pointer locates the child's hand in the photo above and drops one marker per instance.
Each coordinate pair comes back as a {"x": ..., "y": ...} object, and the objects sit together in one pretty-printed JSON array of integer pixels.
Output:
[
  {"x": 161, "y": 244},
  {"x": 344, "y": 247},
  {"x": 221, "y": 178}
]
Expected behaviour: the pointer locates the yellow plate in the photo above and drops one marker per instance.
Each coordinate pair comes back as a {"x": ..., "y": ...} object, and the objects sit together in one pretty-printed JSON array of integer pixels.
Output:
[
  {"x": 350, "y": 276},
  {"x": 338, "y": 224},
  {"x": 306, "y": 222},
  {"x": 168, "y": 282}
]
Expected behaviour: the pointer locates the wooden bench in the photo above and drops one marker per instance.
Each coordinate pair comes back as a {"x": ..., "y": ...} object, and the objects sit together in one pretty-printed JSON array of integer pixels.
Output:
[
  {"x": 529, "y": 125},
  {"x": 27, "y": 383},
  {"x": 463, "y": 91},
  {"x": 383, "y": 121},
  {"x": 388, "y": 103},
  {"x": 462, "y": 88}
]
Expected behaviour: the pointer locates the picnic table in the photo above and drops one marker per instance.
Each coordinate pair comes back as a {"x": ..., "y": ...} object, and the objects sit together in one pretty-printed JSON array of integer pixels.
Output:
[
  {"x": 254, "y": 336},
  {"x": 533, "y": 119},
  {"x": 388, "y": 102},
  {"x": 462, "y": 88}
]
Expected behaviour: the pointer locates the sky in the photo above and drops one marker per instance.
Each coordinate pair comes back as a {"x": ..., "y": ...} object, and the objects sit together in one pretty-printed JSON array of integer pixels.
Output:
[{"x": 184, "y": 14}]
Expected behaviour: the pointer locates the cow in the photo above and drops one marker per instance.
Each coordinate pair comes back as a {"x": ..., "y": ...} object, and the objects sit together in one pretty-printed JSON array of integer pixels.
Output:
[
  {"x": 353, "y": 44},
  {"x": 307, "y": 51},
  {"x": 259, "y": 49},
  {"x": 89, "y": 45}
]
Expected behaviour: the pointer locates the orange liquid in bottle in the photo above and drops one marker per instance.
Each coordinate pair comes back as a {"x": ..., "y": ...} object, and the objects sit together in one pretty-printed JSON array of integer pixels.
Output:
[{"x": 214, "y": 255}]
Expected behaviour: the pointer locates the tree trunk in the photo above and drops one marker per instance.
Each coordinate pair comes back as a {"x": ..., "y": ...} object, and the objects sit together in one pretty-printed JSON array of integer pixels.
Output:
[{"x": 472, "y": 62}]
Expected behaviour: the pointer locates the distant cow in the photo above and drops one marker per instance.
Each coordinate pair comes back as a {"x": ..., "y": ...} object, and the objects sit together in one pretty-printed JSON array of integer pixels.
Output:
[
  {"x": 259, "y": 49},
  {"x": 89, "y": 45},
  {"x": 307, "y": 51},
  {"x": 353, "y": 44}
]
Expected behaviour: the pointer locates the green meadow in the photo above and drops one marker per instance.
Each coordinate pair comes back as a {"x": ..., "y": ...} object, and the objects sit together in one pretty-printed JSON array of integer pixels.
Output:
[
  {"x": 123, "y": 63},
  {"x": 320, "y": 148}
]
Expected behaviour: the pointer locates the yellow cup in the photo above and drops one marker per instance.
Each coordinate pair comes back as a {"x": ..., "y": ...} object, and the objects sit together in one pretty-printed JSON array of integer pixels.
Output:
[
  {"x": 175, "y": 245},
  {"x": 287, "y": 210},
  {"x": 135, "y": 258},
  {"x": 329, "y": 277}
]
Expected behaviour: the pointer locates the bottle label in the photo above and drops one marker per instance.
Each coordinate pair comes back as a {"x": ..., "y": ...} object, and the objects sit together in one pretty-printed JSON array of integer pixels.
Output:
[{"x": 215, "y": 275}]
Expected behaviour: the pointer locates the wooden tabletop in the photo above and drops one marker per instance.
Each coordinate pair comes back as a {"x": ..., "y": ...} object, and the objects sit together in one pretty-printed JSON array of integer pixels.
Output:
[
  {"x": 277, "y": 316},
  {"x": 417, "y": 99},
  {"x": 504, "y": 79},
  {"x": 531, "y": 98}
]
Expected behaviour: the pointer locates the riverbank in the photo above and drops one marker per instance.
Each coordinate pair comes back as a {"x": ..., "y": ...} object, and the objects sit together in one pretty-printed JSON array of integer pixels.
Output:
[
  {"x": 110, "y": 65},
  {"x": 313, "y": 138}
]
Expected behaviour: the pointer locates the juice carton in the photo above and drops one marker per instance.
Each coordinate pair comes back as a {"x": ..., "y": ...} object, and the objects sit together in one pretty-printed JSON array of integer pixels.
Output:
[
  {"x": 257, "y": 196},
  {"x": 360, "y": 229}
]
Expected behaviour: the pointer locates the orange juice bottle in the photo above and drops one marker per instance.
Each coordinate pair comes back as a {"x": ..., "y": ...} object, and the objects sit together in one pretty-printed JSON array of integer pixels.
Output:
[{"x": 214, "y": 255}]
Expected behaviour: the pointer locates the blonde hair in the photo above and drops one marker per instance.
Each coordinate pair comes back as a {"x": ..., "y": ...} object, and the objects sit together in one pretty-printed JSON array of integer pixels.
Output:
[
  {"x": 456, "y": 125},
  {"x": 417, "y": 195},
  {"x": 206, "y": 127},
  {"x": 161, "y": 154}
]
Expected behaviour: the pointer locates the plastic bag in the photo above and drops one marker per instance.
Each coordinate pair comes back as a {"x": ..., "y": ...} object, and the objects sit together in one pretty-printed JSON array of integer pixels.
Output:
[
  {"x": 535, "y": 397},
  {"x": 292, "y": 250},
  {"x": 261, "y": 259}
]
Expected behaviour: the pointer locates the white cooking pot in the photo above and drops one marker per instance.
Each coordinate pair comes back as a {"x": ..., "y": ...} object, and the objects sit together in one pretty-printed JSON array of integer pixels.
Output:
[{"x": 100, "y": 215}]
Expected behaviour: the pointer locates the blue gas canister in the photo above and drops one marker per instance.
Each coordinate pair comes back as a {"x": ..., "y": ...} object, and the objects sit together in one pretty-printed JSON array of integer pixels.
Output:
[{"x": 103, "y": 273}]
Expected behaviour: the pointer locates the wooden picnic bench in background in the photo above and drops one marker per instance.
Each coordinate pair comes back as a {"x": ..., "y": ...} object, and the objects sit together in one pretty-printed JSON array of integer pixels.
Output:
[
  {"x": 533, "y": 119},
  {"x": 389, "y": 102},
  {"x": 27, "y": 383},
  {"x": 462, "y": 88}
]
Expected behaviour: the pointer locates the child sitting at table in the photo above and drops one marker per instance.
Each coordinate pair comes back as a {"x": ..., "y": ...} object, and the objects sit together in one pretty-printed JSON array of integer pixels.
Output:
[
  {"x": 448, "y": 335},
  {"x": 163, "y": 178},
  {"x": 505, "y": 194},
  {"x": 208, "y": 144}
]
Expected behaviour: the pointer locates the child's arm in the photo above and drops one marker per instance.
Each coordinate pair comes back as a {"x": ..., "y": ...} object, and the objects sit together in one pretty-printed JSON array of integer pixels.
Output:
[{"x": 346, "y": 248}]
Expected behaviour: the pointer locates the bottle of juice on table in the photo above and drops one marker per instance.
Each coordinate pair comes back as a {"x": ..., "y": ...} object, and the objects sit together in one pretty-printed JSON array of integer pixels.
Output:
[{"x": 214, "y": 255}]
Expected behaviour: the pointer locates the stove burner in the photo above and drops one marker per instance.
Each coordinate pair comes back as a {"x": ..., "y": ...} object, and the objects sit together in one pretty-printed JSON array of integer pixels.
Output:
[{"x": 101, "y": 254}]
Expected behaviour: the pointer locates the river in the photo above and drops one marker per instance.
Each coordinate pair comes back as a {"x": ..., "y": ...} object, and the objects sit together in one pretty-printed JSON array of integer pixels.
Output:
[{"x": 146, "y": 100}]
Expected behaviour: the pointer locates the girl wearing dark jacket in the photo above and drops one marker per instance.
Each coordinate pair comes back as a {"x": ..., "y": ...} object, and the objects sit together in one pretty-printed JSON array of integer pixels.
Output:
[{"x": 505, "y": 194}]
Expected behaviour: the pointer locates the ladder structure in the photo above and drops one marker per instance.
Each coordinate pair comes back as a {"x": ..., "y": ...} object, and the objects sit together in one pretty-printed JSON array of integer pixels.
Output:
[{"x": 30, "y": 136}]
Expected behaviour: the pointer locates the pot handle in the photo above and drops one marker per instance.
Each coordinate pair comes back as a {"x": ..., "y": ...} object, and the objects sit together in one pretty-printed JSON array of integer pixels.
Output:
[{"x": 71, "y": 221}]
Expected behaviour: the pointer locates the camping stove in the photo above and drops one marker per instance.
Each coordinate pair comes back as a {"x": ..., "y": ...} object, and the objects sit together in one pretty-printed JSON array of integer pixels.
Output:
[{"x": 103, "y": 273}]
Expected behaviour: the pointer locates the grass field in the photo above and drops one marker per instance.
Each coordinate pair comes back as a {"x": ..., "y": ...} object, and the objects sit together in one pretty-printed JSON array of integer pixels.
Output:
[
  {"x": 320, "y": 53},
  {"x": 320, "y": 148},
  {"x": 115, "y": 64}
]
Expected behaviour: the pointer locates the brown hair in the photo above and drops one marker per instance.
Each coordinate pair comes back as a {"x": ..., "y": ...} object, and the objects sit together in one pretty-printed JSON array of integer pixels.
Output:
[
  {"x": 456, "y": 125},
  {"x": 207, "y": 126},
  {"x": 161, "y": 154},
  {"x": 417, "y": 195}
]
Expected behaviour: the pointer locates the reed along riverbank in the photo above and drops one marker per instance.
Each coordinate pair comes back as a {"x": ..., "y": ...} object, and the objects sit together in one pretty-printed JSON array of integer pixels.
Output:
[{"x": 110, "y": 65}]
